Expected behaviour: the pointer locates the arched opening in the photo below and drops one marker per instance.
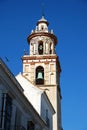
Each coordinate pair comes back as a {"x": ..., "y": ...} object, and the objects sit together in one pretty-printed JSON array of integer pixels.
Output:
[
  {"x": 42, "y": 27},
  {"x": 39, "y": 75},
  {"x": 40, "y": 48},
  {"x": 50, "y": 48}
]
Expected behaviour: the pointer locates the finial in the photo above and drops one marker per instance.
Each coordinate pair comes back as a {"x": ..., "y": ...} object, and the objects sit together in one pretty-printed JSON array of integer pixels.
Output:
[{"x": 43, "y": 10}]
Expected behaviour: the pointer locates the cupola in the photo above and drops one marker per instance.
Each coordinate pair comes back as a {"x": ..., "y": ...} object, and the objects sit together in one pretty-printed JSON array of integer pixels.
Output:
[
  {"x": 42, "y": 40},
  {"x": 42, "y": 25}
]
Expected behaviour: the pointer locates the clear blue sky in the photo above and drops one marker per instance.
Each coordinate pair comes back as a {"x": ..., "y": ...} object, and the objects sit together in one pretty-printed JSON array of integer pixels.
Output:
[{"x": 68, "y": 19}]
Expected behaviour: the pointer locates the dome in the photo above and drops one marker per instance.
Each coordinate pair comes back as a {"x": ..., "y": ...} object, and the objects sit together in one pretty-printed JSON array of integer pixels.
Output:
[{"x": 42, "y": 20}]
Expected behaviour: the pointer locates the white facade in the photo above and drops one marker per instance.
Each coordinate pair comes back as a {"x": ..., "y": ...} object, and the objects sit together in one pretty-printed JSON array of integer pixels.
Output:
[{"x": 16, "y": 112}]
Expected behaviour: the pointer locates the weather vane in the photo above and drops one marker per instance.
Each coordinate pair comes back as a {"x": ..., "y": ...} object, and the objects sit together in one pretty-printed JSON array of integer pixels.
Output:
[{"x": 43, "y": 10}]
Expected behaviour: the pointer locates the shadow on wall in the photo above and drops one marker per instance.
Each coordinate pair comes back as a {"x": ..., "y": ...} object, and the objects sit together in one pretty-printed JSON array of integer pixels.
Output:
[{"x": 46, "y": 113}]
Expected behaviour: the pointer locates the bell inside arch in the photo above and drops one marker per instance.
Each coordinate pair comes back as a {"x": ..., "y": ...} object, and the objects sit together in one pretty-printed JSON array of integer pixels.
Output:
[{"x": 39, "y": 76}]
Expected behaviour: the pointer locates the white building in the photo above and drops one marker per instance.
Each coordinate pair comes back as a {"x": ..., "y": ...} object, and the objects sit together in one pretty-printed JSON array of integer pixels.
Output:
[
  {"x": 38, "y": 99},
  {"x": 16, "y": 112}
]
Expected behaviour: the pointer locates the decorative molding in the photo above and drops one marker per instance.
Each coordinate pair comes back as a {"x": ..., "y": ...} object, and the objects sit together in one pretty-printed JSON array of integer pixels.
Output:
[{"x": 42, "y": 34}]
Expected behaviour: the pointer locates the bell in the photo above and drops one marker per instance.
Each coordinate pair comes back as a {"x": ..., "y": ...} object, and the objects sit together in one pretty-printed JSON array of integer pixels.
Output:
[
  {"x": 41, "y": 47},
  {"x": 39, "y": 76}
]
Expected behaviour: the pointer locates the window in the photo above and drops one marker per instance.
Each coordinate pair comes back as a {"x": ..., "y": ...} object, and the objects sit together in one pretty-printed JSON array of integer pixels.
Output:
[
  {"x": 17, "y": 119},
  {"x": 30, "y": 125},
  {"x": 51, "y": 48},
  {"x": 39, "y": 75},
  {"x": 6, "y": 111},
  {"x": 42, "y": 27},
  {"x": 40, "y": 48}
]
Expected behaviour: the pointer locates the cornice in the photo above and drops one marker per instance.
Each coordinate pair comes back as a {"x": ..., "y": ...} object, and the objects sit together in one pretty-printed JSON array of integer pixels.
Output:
[
  {"x": 39, "y": 57},
  {"x": 51, "y": 57},
  {"x": 10, "y": 74},
  {"x": 35, "y": 34},
  {"x": 42, "y": 22}
]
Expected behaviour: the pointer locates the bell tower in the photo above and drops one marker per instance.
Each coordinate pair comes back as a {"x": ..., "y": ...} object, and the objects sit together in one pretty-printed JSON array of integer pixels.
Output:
[{"x": 42, "y": 68}]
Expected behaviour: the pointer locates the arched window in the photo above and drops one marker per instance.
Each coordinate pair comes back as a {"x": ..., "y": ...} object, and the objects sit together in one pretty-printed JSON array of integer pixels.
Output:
[
  {"x": 42, "y": 27},
  {"x": 40, "y": 48},
  {"x": 50, "y": 48},
  {"x": 39, "y": 75}
]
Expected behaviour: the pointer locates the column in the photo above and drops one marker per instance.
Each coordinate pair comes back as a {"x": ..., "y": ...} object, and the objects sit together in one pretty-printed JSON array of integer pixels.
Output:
[
  {"x": 34, "y": 48},
  {"x": 3, "y": 109},
  {"x": 31, "y": 49},
  {"x": 47, "y": 48},
  {"x": 52, "y": 48}
]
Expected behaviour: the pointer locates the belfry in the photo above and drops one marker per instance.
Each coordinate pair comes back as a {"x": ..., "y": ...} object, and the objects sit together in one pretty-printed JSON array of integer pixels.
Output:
[{"x": 42, "y": 67}]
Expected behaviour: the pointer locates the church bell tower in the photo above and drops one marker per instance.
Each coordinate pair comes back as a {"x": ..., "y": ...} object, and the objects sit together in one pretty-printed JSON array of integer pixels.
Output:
[{"x": 42, "y": 68}]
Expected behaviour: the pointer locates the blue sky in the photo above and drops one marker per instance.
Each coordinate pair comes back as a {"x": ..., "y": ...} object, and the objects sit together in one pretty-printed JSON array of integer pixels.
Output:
[{"x": 68, "y": 19}]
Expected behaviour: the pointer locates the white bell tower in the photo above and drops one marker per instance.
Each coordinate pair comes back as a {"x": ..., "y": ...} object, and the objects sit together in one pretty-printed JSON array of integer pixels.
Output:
[{"x": 42, "y": 68}]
